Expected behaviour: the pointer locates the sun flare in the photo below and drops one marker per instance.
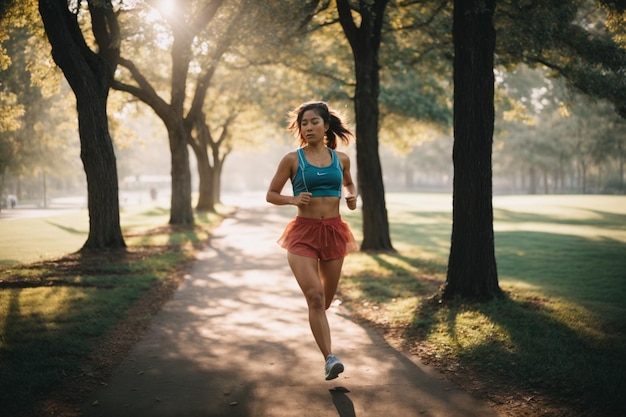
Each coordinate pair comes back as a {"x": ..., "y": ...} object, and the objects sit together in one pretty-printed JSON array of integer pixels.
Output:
[{"x": 166, "y": 6}]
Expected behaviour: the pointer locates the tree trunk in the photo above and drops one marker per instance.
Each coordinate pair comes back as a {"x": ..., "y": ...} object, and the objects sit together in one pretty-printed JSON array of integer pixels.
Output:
[
  {"x": 472, "y": 271},
  {"x": 376, "y": 235},
  {"x": 562, "y": 173},
  {"x": 583, "y": 175},
  {"x": 620, "y": 152},
  {"x": 365, "y": 43},
  {"x": 181, "y": 212},
  {"x": 100, "y": 168},
  {"x": 217, "y": 181},
  {"x": 205, "y": 174},
  {"x": 532, "y": 180},
  {"x": 89, "y": 75}
]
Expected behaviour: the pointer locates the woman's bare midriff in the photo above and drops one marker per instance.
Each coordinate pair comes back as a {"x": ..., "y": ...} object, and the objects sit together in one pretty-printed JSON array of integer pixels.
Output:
[{"x": 320, "y": 208}]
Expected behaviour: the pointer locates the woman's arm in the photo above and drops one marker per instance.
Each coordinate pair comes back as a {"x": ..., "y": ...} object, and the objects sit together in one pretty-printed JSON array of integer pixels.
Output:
[
  {"x": 348, "y": 184},
  {"x": 283, "y": 173}
]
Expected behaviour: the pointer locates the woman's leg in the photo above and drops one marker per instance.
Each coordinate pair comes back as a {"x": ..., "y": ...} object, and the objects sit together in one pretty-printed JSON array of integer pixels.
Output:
[
  {"x": 306, "y": 272},
  {"x": 329, "y": 272}
]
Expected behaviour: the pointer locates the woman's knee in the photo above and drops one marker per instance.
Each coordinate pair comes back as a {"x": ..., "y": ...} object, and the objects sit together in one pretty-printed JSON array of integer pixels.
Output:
[{"x": 315, "y": 299}]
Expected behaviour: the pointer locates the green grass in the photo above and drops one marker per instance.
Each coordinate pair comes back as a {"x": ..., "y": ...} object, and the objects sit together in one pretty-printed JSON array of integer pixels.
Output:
[
  {"x": 54, "y": 236},
  {"x": 560, "y": 331},
  {"x": 28, "y": 240},
  {"x": 55, "y": 311}
]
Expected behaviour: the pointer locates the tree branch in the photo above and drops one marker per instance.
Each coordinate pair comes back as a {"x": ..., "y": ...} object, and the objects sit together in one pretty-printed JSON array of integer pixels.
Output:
[{"x": 143, "y": 91}]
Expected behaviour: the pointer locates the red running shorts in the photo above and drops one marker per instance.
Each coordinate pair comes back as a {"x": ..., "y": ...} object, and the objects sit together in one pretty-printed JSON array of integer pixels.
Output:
[{"x": 323, "y": 239}]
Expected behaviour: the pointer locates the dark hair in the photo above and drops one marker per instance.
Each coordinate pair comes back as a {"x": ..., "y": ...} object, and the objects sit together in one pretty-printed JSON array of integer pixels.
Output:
[{"x": 336, "y": 127}]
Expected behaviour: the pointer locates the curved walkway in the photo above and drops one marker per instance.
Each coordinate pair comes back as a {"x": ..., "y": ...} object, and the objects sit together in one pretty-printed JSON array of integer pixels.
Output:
[{"x": 234, "y": 341}]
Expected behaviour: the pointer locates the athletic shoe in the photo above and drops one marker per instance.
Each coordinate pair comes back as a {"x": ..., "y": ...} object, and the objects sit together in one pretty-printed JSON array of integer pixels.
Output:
[{"x": 333, "y": 367}]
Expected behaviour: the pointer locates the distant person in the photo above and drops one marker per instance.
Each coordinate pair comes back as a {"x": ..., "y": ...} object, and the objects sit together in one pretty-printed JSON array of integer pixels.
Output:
[{"x": 317, "y": 240}]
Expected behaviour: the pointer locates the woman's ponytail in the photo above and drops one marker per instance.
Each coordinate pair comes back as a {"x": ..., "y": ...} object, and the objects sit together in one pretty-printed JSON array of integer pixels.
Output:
[{"x": 336, "y": 128}]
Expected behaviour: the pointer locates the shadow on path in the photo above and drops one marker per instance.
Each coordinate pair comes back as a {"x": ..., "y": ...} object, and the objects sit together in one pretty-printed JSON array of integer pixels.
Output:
[{"x": 235, "y": 341}]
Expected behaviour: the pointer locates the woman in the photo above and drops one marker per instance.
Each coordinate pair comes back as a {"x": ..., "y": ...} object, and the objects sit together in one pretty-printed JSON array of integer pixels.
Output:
[{"x": 318, "y": 239}]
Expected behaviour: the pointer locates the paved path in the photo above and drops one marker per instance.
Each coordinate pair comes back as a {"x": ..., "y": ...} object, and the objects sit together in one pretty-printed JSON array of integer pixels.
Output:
[{"x": 234, "y": 341}]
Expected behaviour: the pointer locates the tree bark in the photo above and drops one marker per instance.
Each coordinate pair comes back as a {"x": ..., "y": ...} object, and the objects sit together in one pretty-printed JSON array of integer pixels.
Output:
[
  {"x": 89, "y": 75},
  {"x": 365, "y": 43},
  {"x": 206, "y": 173},
  {"x": 472, "y": 271},
  {"x": 376, "y": 235},
  {"x": 181, "y": 212},
  {"x": 217, "y": 180},
  {"x": 205, "y": 176}
]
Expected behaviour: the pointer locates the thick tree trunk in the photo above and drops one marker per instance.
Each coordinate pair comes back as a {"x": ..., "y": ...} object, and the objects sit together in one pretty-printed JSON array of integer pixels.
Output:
[
  {"x": 376, "y": 235},
  {"x": 89, "y": 75},
  {"x": 365, "y": 42},
  {"x": 100, "y": 168},
  {"x": 181, "y": 211},
  {"x": 472, "y": 271}
]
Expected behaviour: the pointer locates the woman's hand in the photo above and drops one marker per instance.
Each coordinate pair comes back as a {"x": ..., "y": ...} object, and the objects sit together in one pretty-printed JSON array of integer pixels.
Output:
[
  {"x": 351, "y": 201},
  {"x": 302, "y": 199}
]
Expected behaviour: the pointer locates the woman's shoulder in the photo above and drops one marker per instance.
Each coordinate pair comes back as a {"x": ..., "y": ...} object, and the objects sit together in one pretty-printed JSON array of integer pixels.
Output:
[
  {"x": 291, "y": 155},
  {"x": 290, "y": 158},
  {"x": 342, "y": 155}
]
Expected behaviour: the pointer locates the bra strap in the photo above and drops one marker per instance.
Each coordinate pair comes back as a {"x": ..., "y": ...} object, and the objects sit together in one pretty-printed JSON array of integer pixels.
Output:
[{"x": 302, "y": 166}]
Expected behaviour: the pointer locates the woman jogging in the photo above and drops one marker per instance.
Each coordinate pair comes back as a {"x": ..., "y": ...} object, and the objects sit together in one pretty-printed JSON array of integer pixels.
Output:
[{"x": 317, "y": 240}]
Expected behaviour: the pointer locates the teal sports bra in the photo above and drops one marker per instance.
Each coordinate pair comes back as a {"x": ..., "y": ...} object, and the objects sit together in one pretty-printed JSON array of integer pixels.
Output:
[{"x": 320, "y": 182}]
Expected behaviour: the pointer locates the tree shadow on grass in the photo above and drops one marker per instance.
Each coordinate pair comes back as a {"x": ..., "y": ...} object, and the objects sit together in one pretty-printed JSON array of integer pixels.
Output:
[
  {"x": 532, "y": 347},
  {"x": 580, "y": 269},
  {"x": 70, "y": 230},
  {"x": 596, "y": 218},
  {"x": 54, "y": 313}
]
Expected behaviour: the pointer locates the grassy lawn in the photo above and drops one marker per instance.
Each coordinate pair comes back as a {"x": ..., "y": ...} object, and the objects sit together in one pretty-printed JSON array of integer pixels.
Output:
[
  {"x": 28, "y": 240},
  {"x": 59, "y": 313},
  {"x": 554, "y": 346}
]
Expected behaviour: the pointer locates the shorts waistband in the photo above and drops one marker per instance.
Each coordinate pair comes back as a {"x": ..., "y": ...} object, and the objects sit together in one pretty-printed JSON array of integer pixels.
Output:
[{"x": 309, "y": 220}]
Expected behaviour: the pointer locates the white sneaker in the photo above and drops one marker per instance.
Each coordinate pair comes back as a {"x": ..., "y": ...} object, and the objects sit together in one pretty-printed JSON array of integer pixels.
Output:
[{"x": 333, "y": 367}]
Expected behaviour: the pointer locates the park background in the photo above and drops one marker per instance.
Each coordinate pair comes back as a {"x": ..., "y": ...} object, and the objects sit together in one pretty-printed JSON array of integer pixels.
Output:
[{"x": 558, "y": 130}]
